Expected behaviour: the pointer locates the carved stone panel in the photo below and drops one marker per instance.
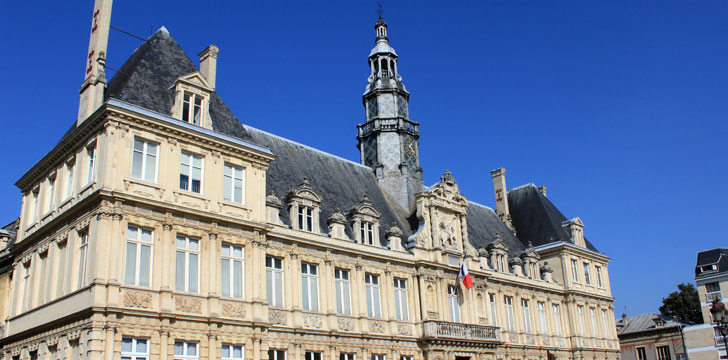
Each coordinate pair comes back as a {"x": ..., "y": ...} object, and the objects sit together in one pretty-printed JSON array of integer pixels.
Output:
[
  {"x": 277, "y": 317},
  {"x": 231, "y": 309},
  {"x": 404, "y": 329},
  {"x": 312, "y": 321},
  {"x": 137, "y": 299},
  {"x": 186, "y": 304},
  {"x": 433, "y": 315},
  {"x": 376, "y": 327},
  {"x": 513, "y": 338},
  {"x": 345, "y": 324}
]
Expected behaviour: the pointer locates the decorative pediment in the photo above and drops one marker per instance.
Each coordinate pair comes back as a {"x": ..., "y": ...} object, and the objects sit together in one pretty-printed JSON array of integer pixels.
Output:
[
  {"x": 530, "y": 253},
  {"x": 498, "y": 245},
  {"x": 304, "y": 192},
  {"x": 447, "y": 189},
  {"x": 365, "y": 210},
  {"x": 196, "y": 79},
  {"x": 575, "y": 229}
]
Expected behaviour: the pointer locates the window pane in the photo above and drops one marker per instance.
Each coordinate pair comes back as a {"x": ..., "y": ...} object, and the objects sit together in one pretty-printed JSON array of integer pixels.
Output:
[
  {"x": 237, "y": 251},
  {"x": 304, "y": 293},
  {"x": 376, "y": 302},
  {"x": 144, "y": 265},
  {"x": 238, "y": 352},
  {"x": 191, "y": 349},
  {"x": 225, "y": 277},
  {"x": 227, "y": 186},
  {"x": 194, "y": 244},
  {"x": 269, "y": 286},
  {"x": 179, "y": 272},
  {"x": 151, "y": 165},
  {"x": 279, "y": 288},
  {"x": 226, "y": 351},
  {"x": 193, "y": 273},
  {"x": 179, "y": 348},
  {"x": 239, "y": 190},
  {"x": 347, "y": 301},
  {"x": 238, "y": 278},
  {"x": 146, "y": 235},
  {"x": 225, "y": 250},
  {"x": 136, "y": 163},
  {"x": 126, "y": 344},
  {"x": 314, "y": 294},
  {"x": 141, "y": 346},
  {"x": 130, "y": 272}
]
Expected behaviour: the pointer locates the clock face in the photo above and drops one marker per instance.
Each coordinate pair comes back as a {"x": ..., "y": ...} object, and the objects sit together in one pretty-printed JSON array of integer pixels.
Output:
[{"x": 409, "y": 147}]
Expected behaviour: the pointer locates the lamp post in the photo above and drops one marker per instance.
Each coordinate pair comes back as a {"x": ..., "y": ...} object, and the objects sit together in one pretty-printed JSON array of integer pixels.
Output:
[{"x": 717, "y": 309}]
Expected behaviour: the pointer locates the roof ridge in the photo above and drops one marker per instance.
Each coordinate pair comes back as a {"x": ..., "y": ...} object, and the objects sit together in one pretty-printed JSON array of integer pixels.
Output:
[
  {"x": 522, "y": 186},
  {"x": 248, "y": 128},
  {"x": 481, "y": 205}
]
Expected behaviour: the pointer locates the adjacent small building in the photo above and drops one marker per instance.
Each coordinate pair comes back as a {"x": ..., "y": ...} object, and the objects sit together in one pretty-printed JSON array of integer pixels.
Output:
[
  {"x": 650, "y": 337},
  {"x": 703, "y": 341}
]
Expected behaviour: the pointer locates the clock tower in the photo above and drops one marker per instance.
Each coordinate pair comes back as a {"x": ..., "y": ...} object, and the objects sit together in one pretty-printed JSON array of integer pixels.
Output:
[{"x": 388, "y": 139}]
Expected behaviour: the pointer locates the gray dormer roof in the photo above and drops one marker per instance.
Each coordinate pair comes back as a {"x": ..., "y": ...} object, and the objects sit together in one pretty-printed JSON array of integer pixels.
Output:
[
  {"x": 711, "y": 262},
  {"x": 645, "y": 322}
]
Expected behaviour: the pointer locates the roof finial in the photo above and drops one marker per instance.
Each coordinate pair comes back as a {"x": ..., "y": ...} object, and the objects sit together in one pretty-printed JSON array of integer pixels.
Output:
[{"x": 380, "y": 12}]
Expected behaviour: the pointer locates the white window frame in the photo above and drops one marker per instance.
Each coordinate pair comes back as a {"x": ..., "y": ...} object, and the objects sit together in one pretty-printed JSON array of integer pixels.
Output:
[
  {"x": 493, "y": 311},
  {"x": 236, "y": 173},
  {"x": 401, "y": 304},
  {"x": 366, "y": 232},
  {"x": 605, "y": 326},
  {"x": 305, "y": 218},
  {"x": 146, "y": 154},
  {"x": 188, "y": 99},
  {"x": 526, "y": 312},
  {"x": 575, "y": 270},
  {"x": 36, "y": 205},
  {"x": 406, "y": 357},
  {"x": 542, "y": 316},
  {"x": 580, "y": 314},
  {"x": 373, "y": 293},
  {"x": 277, "y": 354},
  {"x": 587, "y": 275},
  {"x": 231, "y": 348},
  {"x": 26, "y": 302},
  {"x": 342, "y": 285},
  {"x": 556, "y": 309},
  {"x": 51, "y": 194},
  {"x": 187, "y": 251},
  {"x": 185, "y": 345},
  {"x": 70, "y": 175},
  {"x": 309, "y": 286},
  {"x": 91, "y": 165},
  {"x": 508, "y": 302},
  {"x": 599, "y": 276},
  {"x": 641, "y": 353},
  {"x": 593, "y": 316},
  {"x": 347, "y": 356},
  {"x": 273, "y": 267},
  {"x": 191, "y": 158},
  {"x": 231, "y": 260},
  {"x": 453, "y": 303},
  {"x": 379, "y": 356},
  {"x": 313, "y": 355},
  {"x": 663, "y": 355},
  {"x": 83, "y": 238},
  {"x": 139, "y": 243},
  {"x": 133, "y": 354}
]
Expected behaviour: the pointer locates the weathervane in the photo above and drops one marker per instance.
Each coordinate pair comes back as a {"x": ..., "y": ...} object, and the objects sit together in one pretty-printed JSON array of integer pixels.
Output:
[{"x": 380, "y": 12}]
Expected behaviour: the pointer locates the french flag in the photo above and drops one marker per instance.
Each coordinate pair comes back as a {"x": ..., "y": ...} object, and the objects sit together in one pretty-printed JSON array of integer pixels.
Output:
[{"x": 464, "y": 275}]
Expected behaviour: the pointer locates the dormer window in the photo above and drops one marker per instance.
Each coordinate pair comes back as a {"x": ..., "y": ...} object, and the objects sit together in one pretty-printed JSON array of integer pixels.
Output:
[
  {"x": 303, "y": 207},
  {"x": 365, "y": 222},
  {"x": 192, "y": 108}
]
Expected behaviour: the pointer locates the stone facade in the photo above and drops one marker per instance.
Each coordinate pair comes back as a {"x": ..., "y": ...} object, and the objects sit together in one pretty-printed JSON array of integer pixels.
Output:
[{"x": 133, "y": 231}]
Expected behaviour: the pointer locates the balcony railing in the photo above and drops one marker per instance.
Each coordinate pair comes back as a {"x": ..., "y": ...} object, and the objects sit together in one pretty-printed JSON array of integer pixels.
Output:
[{"x": 464, "y": 332}]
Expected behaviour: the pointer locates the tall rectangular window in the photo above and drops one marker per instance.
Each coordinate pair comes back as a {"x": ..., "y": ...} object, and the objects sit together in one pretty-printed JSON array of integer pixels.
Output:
[
  {"x": 663, "y": 352},
  {"x": 61, "y": 275},
  {"x": 35, "y": 210},
  {"x": 138, "y": 256},
  {"x": 641, "y": 354},
  {"x": 51, "y": 194},
  {"x": 379, "y": 357},
  {"x": 347, "y": 356},
  {"x": 42, "y": 290},
  {"x": 274, "y": 281},
  {"x": 144, "y": 160},
  {"x": 587, "y": 277},
  {"x": 91, "y": 174},
  {"x": 508, "y": 301},
  {"x": 599, "y": 276},
  {"x": 343, "y": 291},
  {"x": 187, "y": 264},
  {"x": 190, "y": 172},
  {"x": 232, "y": 352},
  {"x": 192, "y": 108},
  {"x": 542, "y": 316},
  {"x": 372, "y": 292},
  {"x": 26, "y": 303},
  {"x": 605, "y": 325},
  {"x": 134, "y": 348},
  {"x": 366, "y": 233},
  {"x": 493, "y": 314},
  {"x": 574, "y": 270},
  {"x": 580, "y": 313},
  {"x": 305, "y": 218},
  {"x": 276, "y": 354},
  {"x": 233, "y": 184},
  {"x": 712, "y": 291},
  {"x": 557, "y": 319},
  {"x": 82, "y": 257},
  {"x": 231, "y": 265},
  {"x": 69, "y": 180},
  {"x": 313, "y": 355},
  {"x": 453, "y": 303},
  {"x": 186, "y": 350},
  {"x": 526, "y": 315},
  {"x": 400, "y": 299},
  {"x": 309, "y": 286},
  {"x": 593, "y": 316}
]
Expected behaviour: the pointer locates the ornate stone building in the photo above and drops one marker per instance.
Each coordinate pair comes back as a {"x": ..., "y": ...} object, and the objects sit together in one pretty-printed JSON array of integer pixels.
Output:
[{"x": 161, "y": 227}]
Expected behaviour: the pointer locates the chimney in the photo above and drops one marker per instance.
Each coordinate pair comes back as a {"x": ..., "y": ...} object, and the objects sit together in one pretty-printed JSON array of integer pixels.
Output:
[
  {"x": 542, "y": 189},
  {"x": 575, "y": 229},
  {"x": 94, "y": 83},
  {"x": 501, "y": 197},
  {"x": 208, "y": 64}
]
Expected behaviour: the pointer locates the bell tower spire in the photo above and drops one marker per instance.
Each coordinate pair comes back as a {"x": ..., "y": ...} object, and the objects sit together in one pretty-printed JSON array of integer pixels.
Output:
[{"x": 388, "y": 139}]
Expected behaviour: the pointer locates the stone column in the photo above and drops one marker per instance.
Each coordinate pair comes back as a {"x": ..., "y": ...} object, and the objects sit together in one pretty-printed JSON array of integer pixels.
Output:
[
  {"x": 110, "y": 342},
  {"x": 359, "y": 303},
  {"x": 167, "y": 242},
  {"x": 211, "y": 346},
  {"x": 326, "y": 288},
  {"x": 163, "y": 343},
  {"x": 214, "y": 263}
]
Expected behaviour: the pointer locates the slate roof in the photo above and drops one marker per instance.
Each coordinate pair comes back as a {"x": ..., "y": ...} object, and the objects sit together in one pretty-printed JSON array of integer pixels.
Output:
[
  {"x": 10, "y": 230},
  {"x": 645, "y": 322},
  {"x": 147, "y": 77},
  {"x": 536, "y": 219},
  {"x": 718, "y": 257}
]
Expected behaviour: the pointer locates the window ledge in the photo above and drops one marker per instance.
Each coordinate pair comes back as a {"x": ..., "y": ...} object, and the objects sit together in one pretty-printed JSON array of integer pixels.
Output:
[
  {"x": 133, "y": 180},
  {"x": 65, "y": 201},
  {"x": 86, "y": 187},
  {"x": 200, "y": 196},
  {"x": 47, "y": 215},
  {"x": 241, "y": 206}
]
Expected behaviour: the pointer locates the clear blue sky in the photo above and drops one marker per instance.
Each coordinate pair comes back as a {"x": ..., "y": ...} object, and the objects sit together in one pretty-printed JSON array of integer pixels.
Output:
[{"x": 619, "y": 108}]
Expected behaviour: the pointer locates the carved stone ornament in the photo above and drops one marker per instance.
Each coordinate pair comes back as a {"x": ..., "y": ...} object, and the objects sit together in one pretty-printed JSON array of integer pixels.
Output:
[
  {"x": 137, "y": 299},
  {"x": 337, "y": 217},
  {"x": 185, "y": 304},
  {"x": 513, "y": 338},
  {"x": 312, "y": 321},
  {"x": 376, "y": 327},
  {"x": 546, "y": 341},
  {"x": 482, "y": 320},
  {"x": 273, "y": 201},
  {"x": 448, "y": 234},
  {"x": 404, "y": 330},
  {"x": 546, "y": 268},
  {"x": 531, "y": 340},
  {"x": 433, "y": 315},
  {"x": 345, "y": 324},
  {"x": 277, "y": 317},
  {"x": 234, "y": 310},
  {"x": 394, "y": 231}
]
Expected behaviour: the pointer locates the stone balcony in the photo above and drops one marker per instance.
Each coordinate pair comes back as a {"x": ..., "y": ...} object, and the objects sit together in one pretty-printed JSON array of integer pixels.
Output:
[{"x": 449, "y": 332}]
